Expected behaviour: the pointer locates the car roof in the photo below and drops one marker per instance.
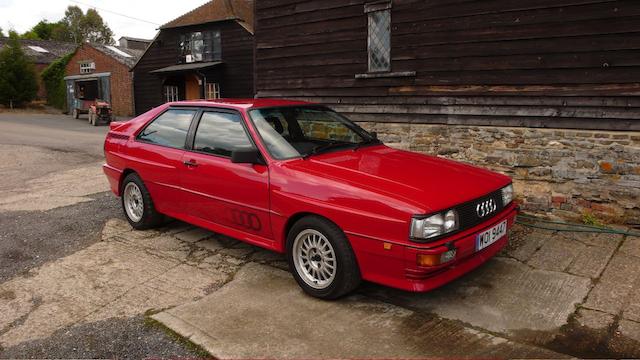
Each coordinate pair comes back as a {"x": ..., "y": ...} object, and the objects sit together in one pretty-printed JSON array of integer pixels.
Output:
[{"x": 242, "y": 103}]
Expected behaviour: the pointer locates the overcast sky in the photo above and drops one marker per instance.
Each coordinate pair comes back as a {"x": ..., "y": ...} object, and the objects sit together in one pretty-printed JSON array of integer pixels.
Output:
[{"x": 21, "y": 15}]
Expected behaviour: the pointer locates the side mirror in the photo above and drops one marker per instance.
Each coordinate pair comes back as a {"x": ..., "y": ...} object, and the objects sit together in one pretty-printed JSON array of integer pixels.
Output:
[
  {"x": 374, "y": 135},
  {"x": 251, "y": 156}
]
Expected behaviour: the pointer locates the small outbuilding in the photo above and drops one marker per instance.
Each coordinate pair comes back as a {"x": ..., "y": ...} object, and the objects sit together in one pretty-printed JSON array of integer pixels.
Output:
[
  {"x": 42, "y": 53},
  {"x": 102, "y": 72}
]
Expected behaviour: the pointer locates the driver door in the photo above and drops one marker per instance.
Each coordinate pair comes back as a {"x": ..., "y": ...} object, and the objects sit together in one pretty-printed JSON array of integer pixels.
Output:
[{"x": 217, "y": 190}]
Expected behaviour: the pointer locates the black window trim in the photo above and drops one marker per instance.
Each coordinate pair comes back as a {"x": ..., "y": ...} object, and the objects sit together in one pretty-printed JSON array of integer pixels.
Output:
[
  {"x": 137, "y": 135},
  {"x": 191, "y": 134}
]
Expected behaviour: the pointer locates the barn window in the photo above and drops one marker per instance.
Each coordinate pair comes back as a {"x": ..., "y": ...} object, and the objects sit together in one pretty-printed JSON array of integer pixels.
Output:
[
  {"x": 87, "y": 67},
  {"x": 201, "y": 46},
  {"x": 379, "y": 36}
]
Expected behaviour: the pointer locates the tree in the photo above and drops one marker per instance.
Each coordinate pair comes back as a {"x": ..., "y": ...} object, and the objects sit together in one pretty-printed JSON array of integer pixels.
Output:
[
  {"x": 45, "y": 30},
  {"x": 89, "y": 27},
  {"x": 1, "y": 33},
  {"x": 18, "y": 79},
  {"x": 95, "y": 30}
]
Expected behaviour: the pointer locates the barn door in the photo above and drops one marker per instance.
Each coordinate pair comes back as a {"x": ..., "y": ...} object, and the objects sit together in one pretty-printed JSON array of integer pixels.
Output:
[
  {"x": 105, "y": 88},
  {"x": 71, "y": 95}
]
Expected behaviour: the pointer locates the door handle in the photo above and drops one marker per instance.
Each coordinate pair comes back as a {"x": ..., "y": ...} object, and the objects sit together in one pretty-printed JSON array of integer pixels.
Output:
[{"x": 190, "y": 163}]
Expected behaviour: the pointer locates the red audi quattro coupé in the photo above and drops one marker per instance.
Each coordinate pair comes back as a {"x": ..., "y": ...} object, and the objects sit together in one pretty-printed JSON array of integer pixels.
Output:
[{"x": 301, "y": 179}]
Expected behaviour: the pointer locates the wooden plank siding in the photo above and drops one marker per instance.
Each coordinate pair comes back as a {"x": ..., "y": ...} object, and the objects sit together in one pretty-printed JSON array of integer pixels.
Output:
[
  {"x": 538, "y": 63},
  {"x": 237, "y": 68}
]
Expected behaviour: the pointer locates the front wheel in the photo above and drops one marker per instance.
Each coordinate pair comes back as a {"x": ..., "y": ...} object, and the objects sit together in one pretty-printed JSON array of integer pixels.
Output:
[
  {"x": 321, "y": 259},
  {"x": 137, "y": 204}
]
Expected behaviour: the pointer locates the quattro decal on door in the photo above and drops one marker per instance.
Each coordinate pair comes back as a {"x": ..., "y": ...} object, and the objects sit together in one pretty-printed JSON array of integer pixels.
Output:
[{"x": 247, "y": 220}]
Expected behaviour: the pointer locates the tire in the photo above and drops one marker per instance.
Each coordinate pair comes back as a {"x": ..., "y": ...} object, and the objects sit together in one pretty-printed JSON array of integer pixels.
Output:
[
  {"x": 137, "y": 204},
  {"x": 315, "y": 276}
]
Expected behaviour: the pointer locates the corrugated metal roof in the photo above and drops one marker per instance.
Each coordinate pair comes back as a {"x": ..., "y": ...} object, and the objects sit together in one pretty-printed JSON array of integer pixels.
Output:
[{"x": 126, "y": 56}]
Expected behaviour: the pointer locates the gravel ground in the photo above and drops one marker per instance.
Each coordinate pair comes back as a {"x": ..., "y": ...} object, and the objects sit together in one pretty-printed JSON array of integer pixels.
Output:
[
  {"x": 132, "y": 338},
  {"x": 29, "y": 239}
]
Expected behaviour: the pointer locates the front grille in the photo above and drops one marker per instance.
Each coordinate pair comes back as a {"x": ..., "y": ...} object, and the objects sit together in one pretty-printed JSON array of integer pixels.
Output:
[{"x": 467, "y": 212}]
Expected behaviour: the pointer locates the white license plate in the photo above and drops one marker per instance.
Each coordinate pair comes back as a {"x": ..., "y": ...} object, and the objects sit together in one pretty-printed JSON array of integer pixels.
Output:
[{"x": 490, "y": 236}]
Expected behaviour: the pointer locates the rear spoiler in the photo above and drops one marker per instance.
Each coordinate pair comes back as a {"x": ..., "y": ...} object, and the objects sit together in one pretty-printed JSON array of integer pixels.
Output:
[{"x": 114, "y": 125}]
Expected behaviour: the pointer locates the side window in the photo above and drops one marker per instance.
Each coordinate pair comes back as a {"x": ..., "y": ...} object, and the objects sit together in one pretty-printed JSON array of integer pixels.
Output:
[
  {"x": 169, "y": 129},
  {"x": 379, "y": 36},
  {"x": 221, "y": 133}
]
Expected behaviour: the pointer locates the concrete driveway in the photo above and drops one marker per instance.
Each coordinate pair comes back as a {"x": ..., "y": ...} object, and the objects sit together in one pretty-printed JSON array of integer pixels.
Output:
[{"x": 77, "y": 281}]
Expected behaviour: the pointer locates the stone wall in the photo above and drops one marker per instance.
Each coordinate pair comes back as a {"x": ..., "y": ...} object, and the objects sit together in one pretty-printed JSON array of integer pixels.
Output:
[{"x": 561, "y": 173}]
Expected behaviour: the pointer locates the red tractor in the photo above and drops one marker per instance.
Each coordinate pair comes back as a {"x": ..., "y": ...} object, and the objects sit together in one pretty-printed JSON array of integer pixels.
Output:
[
  {"x": 86, "y": 100},
  {"x": 99, "y": 113}
]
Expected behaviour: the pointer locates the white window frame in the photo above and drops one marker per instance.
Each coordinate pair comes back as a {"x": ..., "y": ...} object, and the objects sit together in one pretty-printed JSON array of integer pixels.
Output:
[
  {"x": 87, "y": 67},
  {"x": 212, "y": 91},
  {"x": 171, "y": 93}
]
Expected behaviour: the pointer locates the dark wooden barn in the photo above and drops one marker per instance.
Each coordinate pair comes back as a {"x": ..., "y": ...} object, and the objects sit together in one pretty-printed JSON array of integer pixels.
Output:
[
  {"x": 204, "y": 54},
  {"x": 492, "y": 82}
]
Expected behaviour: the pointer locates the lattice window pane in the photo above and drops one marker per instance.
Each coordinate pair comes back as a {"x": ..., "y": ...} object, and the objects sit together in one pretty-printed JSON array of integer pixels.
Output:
[{"x": 380, "y": 41}]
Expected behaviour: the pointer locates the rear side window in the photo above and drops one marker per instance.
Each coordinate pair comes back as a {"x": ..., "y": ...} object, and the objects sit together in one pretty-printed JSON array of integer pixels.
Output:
[
  {"x": 221, "y": 133},
  {"x": 169, "y": 129}
]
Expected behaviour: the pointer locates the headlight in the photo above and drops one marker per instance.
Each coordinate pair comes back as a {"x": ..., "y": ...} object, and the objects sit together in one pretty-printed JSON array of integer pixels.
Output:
[
  {"x": 507, "y": 195},
  {"x": 434, "y": 225}
]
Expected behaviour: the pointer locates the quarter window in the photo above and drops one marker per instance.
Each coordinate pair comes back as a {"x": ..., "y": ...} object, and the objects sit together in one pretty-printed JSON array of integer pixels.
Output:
[
  {"x": 379, "y": 36},
  {"x": 221, "y": 133},
  {"x": 169, "y": 129}
]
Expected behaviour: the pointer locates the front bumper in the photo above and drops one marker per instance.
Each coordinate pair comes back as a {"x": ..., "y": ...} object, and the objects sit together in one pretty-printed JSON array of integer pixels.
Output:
[{"x": 396, "y": 265}]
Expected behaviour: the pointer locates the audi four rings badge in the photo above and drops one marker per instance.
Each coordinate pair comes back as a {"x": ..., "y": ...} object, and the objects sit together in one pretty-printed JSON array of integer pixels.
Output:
[{"x": 486, "y": 207}]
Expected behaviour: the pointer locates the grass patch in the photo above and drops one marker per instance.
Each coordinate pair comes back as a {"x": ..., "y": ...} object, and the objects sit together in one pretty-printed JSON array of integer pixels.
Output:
[
  {"x": 151, "y": 323},
  {"x": 588, "y": 218}
]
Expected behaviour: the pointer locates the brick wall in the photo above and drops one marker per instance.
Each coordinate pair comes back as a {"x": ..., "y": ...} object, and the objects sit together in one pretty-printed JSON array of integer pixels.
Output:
[
  {"x": 563, "y": 173},
  {"x": 121, "y": 78}
]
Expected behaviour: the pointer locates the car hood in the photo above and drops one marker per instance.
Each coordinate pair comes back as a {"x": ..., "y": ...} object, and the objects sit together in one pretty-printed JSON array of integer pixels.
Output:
[{"x": 427, "y": 183}]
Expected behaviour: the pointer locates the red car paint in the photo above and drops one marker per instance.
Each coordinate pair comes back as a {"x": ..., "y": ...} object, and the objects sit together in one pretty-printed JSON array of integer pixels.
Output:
[{"x": 371, "y": 194}]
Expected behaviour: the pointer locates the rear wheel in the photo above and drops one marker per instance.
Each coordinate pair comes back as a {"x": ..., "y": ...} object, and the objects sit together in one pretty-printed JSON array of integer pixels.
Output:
[
  {"x": 321, "y": 259},
  {"x": 137, "y": 204}
]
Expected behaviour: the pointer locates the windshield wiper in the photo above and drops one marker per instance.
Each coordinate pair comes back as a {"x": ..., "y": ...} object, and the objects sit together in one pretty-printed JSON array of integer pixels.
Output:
[{"x": 322, "y": 148}]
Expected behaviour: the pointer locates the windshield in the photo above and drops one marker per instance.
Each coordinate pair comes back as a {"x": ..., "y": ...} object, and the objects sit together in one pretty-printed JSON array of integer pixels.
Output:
[{"x": 296, "y": 131}]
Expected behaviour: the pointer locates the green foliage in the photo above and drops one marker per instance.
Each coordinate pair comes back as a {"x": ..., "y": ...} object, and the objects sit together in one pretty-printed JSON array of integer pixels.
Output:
[
  {"x": 590, "y": 219},
  {"x": 53, "y": 79},
  {"x": 45, "y": 30},
  {"x": 1, "y": 32},
  {"x": 18, "y": 79},
  {"x": 89, "y": 27},
  {"x": 76, "y": 26}
]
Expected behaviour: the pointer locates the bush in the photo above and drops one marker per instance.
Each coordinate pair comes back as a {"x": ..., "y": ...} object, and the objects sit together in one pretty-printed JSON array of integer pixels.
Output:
[
  {"x": 53, "y": 79},
  {"x": 18, "y": 79}
]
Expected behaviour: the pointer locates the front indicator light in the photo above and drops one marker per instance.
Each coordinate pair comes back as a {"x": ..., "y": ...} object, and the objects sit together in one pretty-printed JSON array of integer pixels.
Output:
[{"x": 430, "y": 260}]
